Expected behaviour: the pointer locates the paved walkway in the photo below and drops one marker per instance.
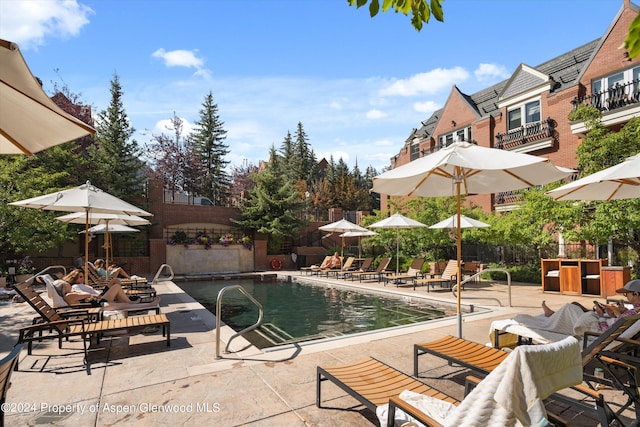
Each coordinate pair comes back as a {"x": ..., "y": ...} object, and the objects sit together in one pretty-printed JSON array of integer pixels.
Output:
[{"x": 137, "y": 380}]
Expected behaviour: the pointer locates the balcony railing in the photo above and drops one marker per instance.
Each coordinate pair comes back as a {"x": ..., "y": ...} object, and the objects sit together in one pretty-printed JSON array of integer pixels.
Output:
[
  {"x": 508, "y": 198},
  {"x": 531, "y": 132},
  {"x": 618, "y": 96}
]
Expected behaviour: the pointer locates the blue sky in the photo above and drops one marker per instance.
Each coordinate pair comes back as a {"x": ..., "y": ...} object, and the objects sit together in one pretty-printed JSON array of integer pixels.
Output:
[{"x": 358, "y": 85}]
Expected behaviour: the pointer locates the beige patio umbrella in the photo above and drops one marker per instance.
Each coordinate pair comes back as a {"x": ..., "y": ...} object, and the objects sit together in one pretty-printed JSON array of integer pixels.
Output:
[
  {"x": 465, "y": 168},
  {"x": 397, "y": 221},
  {"x": 108, "y": 231},
  {"x": 342, "y": 226},
  {"x": 621, "y": 181},
  {"x": 86, "y": 199},
  {"x": 29, "y": 120},
  {"x": 465, "y": 222},
  {"x": 110, "y": 223}
]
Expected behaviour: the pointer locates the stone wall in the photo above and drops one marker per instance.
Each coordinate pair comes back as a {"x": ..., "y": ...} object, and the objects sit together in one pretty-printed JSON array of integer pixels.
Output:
[{"x": 217, "y": 259}]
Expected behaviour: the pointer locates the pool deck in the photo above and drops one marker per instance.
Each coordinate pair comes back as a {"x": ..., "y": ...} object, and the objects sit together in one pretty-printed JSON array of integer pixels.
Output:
[{"x": 138, "y": 380}]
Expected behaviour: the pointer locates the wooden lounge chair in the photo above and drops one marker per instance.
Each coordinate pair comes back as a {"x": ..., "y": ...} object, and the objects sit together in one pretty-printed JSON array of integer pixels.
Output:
[
  {"x": 347, "y": 266},
  {"x": 374, "y": 384},
  {"x": 7, "y": 365},
  {"x": 313, "y": 268},
  {"x": 484, "y": 359},
  {"x": 448, "y": 276},
  {"x": 382, "y": 267},
  {"x": 364, "y": 267},
  {"x": 58, "y": 327},
  {"x": 132, "y": 286},
  {"x": 413, "y": 273}
]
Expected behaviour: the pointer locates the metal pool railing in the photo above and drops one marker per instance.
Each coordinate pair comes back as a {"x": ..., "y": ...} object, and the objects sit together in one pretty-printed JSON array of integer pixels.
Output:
[{"x": 219, "y": 315}]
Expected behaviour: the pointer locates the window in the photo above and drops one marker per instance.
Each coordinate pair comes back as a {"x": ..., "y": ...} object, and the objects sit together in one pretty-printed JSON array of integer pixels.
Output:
[
  {"x": 616, "y": 90},
  {"x": 530, "y": 111},
  {"x": 463, "y": 134}
]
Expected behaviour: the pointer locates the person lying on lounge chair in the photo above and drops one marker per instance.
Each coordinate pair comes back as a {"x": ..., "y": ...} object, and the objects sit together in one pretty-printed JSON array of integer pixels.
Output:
[
  {"x": 113, "y": 295},
  {"x": 574, "y": 319},
  {"x": 114, "y": 270},
  {"x": 334, "y": 261}
]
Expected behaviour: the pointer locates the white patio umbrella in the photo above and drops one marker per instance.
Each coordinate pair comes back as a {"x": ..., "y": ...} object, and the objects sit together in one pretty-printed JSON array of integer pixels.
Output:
[
  {"x": 107, "y": 230},
  {"x": 359, "y": 235},
  {"x": 465, "y": 222},
  {"x": 397, "y": 221},
  {"x": 29, "y": 120},
  {"x": 86, "y": 199},
  {"x": 465, "y": 168},
  {"x": 109, "y": 222},
  {"x": 621, "y": 181},
  {"x": 342, "y": 226}
]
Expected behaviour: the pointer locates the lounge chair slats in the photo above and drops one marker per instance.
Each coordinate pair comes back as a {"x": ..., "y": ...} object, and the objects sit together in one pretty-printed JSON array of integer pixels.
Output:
[
  {"x": 64, "y": 328},
  {"x": 484, "y": 359},
  {"x": 373, "y": 382}
]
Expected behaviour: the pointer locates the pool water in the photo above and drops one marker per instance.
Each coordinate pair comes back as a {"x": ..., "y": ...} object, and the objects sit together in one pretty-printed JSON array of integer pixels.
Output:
[{"x": 296, "y": 312}]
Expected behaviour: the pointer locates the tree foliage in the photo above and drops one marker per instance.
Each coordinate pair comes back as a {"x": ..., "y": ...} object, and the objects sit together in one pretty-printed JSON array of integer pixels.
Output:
[
  {"x": 118, "y": 168},
  {"x": 632, "y": 42},
  {"x": 23, "y": 230},
  {"x": 421, "y": 10},
  {"x": 208, "y": 144},
  {"x": 273, "y": 206}
]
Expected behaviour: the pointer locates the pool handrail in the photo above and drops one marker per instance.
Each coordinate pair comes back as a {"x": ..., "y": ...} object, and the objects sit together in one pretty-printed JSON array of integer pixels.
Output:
[
  {"x": 454, "y": 288},
  {"x": 51, "y": 267},
  {"x": 218, "y": 316},
  {"x": 160, "y": 270}
]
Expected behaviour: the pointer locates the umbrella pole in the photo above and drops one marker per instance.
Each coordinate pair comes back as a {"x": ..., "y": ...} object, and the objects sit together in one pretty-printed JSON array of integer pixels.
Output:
[
  {"x": 459, "y": 258},
  {"x": 397, "y": 251},
  {"x": 86, "y": 246},
  {"x": 106, "y": 244}
]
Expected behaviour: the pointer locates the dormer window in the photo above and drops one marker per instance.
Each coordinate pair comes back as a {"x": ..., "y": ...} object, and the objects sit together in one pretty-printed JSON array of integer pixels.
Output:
[{"x": 523, "y": 114}]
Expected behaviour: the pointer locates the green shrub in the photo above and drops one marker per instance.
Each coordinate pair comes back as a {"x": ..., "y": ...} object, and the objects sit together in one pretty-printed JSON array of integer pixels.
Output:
[{"x": 519, "y": 273}]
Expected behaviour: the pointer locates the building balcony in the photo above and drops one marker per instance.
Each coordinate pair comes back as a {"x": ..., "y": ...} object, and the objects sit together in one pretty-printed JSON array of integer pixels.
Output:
[
  {"x": 507, "y": 200},
  {"x": 618, "y": 105},
  {"x": 528, "y": 138}
]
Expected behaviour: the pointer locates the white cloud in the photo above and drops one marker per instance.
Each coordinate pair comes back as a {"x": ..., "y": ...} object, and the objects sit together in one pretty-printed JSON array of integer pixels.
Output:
[
  {"x": 426, "y": 107},
  {"x": 376, "y": 114},
  {"x": 166, "y": 127},
  {"x": 31, "y": 21},
  {"x": 179, "y": 58},
  {"x": 486, "y": 72},
  {"x": 429, "y": 83}
]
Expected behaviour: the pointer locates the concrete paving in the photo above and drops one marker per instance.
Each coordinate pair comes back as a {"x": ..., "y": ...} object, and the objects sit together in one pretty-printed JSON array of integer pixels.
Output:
[{"x": 138, "y": 380}]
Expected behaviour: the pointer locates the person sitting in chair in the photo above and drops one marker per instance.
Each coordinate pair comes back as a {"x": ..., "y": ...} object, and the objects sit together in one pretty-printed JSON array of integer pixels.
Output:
[
  {"x": 574, "y": 319},
  {"x": 334, "y": 261}
]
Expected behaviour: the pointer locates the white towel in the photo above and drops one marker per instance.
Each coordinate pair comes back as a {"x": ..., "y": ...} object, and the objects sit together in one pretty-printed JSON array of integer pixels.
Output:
[{"x": 512, "y": 394}]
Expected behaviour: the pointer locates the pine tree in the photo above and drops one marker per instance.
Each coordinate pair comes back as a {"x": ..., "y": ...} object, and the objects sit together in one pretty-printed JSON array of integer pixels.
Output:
[
  {"x": 207, "y": 142},
  {"x": 273, "y": 207},
  {"x": 116, "y": 157}
]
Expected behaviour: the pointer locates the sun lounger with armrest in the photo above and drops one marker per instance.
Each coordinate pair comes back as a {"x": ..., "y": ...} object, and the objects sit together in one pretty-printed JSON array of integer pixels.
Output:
[
  {"x": 447, "y": 277},
  {"x": 7, "y": 366},
  {"x": 313, "y": 268},
  {"x": 382, "y": 266},
  {"x": 414, "y": 272},
  {"x": 375, "y": 384},
  {"x": 484, "y": 359},
  {"x": 59, "y": 327}
]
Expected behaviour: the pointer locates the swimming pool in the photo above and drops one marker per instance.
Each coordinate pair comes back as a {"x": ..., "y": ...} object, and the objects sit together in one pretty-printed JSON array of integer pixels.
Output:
[{"x": 297, "y": 312}]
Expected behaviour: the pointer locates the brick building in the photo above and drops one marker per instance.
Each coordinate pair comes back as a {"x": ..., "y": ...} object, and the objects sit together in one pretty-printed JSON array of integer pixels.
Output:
[{"x": 529, "y": 111}]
